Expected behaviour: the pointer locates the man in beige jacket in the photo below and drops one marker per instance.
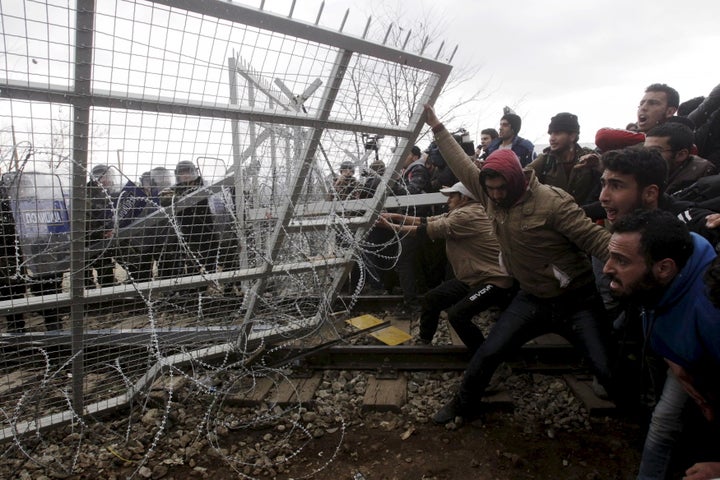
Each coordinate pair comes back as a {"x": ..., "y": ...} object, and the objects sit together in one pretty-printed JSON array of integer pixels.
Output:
[{"x": 472, "y": 250}]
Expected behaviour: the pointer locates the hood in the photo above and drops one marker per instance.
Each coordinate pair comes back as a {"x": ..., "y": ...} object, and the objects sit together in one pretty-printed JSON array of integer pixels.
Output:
[
  {"x": 698, "y": 262},
  {"x": 507, "y": 164}
]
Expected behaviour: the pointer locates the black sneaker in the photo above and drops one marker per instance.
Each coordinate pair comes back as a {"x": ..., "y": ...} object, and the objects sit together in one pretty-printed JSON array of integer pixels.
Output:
[
  {"x": 452, "y": 412},
  {"x": 448, "y": 413}
]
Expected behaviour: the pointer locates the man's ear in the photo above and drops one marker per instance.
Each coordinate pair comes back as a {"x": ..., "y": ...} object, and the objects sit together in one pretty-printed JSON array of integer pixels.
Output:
[
  {"x": 650, "y": 196},
  {"x": 665, "y": 270},
  {"x": 670, "y": 111}
]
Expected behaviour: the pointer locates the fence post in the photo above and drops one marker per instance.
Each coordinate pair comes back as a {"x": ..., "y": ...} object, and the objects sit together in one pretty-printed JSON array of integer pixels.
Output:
[{"x": 85, "y": 17}]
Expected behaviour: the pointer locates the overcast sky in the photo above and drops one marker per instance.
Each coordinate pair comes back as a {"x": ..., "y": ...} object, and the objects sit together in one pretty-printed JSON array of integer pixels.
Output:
[{"x": 541, "y": 57}]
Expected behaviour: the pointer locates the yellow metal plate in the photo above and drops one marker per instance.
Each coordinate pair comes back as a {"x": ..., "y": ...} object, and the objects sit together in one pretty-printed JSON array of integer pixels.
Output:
[
  {"x": 364, "y": 321},
  {"x": 391, "y": 336}
]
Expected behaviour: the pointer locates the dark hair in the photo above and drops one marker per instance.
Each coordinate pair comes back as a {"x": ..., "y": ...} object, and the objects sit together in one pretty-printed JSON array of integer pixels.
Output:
[
  {"x": 673, "y": 97},
  {"x": 416, "y": 151},
  {"x": 647, "y": 166},
  {"x": 688, "y": 106},
  {"x": 712, "y": 280},
  {"x": 514, "y": 120},
  {"x": 680, "y": 136},
  {"x": 682, "y": 121},
  {"x": 489, "y": 131},
  {"x": 662, "y": 235}
]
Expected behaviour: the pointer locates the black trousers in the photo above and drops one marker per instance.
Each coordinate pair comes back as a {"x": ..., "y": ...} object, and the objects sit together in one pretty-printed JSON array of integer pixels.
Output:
[{"x": 461, "y": 303}]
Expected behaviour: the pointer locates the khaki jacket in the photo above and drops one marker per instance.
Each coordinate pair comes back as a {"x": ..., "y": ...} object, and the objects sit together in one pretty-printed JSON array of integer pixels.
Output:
[
  {"x": 544, "y": 239},
  {"x": 470, "y": 245}
]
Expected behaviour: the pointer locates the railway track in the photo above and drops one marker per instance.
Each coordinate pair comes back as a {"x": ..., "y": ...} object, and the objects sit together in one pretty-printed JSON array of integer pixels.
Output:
[{"x": 388, "y": 367}]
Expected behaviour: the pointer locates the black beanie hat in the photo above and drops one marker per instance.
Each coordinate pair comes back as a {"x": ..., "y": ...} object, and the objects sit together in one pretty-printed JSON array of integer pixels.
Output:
[
  {"x": 514, "y": 121},
  {"x": 564, "y": 122}
]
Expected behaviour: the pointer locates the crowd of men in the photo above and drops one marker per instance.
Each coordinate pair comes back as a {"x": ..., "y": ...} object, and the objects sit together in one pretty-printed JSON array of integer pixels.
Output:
[
  {"x": 617, "y": 242},
  {"x": 600, "y": 246}
]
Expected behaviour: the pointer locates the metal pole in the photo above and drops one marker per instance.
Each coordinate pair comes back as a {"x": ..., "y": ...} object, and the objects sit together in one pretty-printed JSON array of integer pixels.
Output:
[
  {"x": 237, "y": 165},
  {"x": 81, "y": 132}
]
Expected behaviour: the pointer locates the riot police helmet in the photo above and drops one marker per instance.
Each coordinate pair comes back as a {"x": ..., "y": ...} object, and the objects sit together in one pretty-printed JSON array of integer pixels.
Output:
[
  {"x": 161, "y": 177},
  {"x": 106, "y": 177},
  {"x": 186, "y": 171},
  {"x": 347, "y": 165},
  {"x": 145, "y": 179}
]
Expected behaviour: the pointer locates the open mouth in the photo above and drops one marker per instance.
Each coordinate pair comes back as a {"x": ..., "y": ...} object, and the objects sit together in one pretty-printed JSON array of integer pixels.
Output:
[{"x": 611, "y": 213}]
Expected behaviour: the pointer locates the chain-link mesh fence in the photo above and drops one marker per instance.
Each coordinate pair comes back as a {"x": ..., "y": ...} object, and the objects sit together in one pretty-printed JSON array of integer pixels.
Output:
[{"x": 170, "y": 193}]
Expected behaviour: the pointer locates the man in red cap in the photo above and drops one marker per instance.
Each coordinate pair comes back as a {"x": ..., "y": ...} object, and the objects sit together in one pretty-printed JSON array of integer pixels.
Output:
[{"x": 545, "y": 239}]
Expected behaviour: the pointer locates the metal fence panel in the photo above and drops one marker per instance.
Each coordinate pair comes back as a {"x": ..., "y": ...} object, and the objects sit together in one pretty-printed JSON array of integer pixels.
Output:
[{"x": 167, "y": 189}]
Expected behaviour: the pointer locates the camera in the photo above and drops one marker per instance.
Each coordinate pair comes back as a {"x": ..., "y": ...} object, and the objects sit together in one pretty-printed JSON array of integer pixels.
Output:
[
  {"x": 462, "y": 136},
  {"x": 434, "y": 155},
  {"x": 371, "y": 141}
]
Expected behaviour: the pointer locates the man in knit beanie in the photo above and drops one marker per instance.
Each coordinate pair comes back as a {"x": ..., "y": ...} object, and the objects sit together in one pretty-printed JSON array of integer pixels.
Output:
[
  {"x": 508, "y": 138},
  {"x": 560, "y": 164}
]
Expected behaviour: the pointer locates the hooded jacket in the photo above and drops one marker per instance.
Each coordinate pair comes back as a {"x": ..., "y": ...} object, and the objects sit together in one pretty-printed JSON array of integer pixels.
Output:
[
  {"x": 544, "y": 236},
  {"x": 684, "y": 326}
]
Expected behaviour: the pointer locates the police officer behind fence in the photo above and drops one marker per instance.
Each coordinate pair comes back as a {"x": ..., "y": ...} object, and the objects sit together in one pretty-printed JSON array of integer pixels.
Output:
[
  {"x": 101, "y": 195},
  {"x": 10, "y": 285},
  {"x": 195, "y": 223}
]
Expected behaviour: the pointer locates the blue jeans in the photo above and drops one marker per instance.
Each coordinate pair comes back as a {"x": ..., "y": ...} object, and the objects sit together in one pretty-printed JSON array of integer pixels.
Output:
[
  {"x": 577, "y": 315},
  {"x": 665, "y": 428}
]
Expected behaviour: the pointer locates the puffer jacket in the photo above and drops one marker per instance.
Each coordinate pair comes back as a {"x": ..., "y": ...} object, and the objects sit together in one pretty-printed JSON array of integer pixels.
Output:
[
  {"x": 470, "y": 245},
  {"x": 545, "y": 238}
]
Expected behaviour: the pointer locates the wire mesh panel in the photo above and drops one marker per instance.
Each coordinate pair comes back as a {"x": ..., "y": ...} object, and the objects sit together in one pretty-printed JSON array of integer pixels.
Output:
[{"x": 171, "y": 191}]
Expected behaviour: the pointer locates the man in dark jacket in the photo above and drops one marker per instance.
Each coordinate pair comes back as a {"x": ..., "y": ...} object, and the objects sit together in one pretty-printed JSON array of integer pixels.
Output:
[
  {"x": 11, "y": 284},
  {"x": 195, "y": 223},
  {"x": 508, "y": 137},
  {"x": 635, "y": 178},
  {"x": 102, "y": 189},
  {"x": 415, "y": 180},
  {"x": 674, "y": 141},
  {"x": 559, "y": 164}
]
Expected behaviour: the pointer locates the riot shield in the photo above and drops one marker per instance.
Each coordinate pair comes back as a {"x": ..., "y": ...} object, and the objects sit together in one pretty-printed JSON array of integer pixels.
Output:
[
  {"x": 42, "y": 223},
  {"x": 222, "y": 207}
]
